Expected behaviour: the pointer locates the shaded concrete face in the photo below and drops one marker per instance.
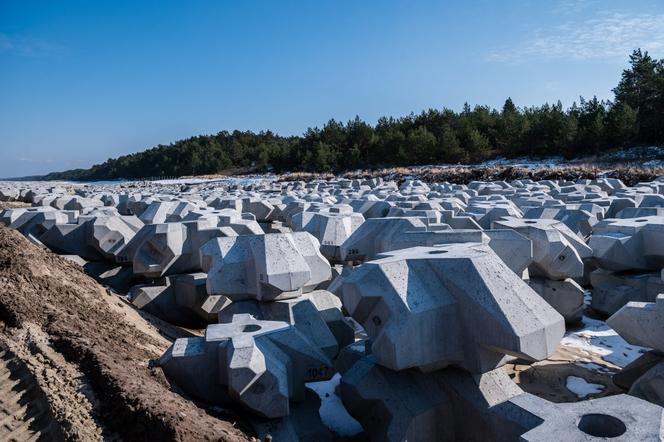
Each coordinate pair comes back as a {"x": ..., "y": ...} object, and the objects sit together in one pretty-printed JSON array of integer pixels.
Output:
[
  {"x": 417, "y": 311},
  {"x": 451, "y": 404},
  {"x": 629, "y": 244}
]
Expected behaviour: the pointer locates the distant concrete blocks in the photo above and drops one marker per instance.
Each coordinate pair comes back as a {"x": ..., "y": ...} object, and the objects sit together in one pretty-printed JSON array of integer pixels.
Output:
[
  {"x": 264, "y": 267},
  {"x": 420, "y": 313}
]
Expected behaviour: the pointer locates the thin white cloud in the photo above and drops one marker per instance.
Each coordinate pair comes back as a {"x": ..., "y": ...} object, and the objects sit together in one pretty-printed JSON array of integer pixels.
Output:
[
  {"x": 36, "y": 160},
  {"x": 572, "y": 6},
  {"x": 28, "y": 46},
  {"x": 610, "y": 35}
]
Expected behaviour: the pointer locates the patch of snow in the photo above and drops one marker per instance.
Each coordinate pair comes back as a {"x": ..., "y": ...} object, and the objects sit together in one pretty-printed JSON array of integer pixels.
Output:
[
  {"x": 582, "y": 388},
  {"x": 527, "y": 162},
  {"x": 601, "y": 340},
  {"x": 332, "y": 411}
]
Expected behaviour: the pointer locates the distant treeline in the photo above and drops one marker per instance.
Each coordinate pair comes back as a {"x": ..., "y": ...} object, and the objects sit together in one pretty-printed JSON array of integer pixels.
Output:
[{"x": 635, "y": 117}]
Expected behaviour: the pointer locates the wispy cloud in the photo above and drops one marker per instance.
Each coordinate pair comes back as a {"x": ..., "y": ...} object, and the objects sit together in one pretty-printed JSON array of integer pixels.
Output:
[
  {"x": 36, "y": 160},
  {"x": 609, "y": 35},
  {"x": 571, "y": 6},
  {"x": 28, "y": 47}
]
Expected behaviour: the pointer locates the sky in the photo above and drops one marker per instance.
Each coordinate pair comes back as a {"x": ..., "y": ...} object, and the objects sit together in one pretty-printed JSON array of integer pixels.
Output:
[{"x": 84, "y": 81}]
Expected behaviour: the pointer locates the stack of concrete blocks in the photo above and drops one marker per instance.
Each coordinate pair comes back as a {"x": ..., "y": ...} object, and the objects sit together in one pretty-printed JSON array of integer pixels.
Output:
[
  {"x": 558, "y": 259},
  {"x": 430, "y": 372},
  {"x": 331, "y": 227},
  {"x": 642, "y": 323},
  {"x": 629, "y": 255},
  {"x": 276, "y": 332}
]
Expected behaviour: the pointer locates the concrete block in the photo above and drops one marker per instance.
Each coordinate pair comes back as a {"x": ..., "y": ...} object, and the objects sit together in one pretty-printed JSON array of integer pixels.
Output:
[
  {"x": 420, "y": 314},
  {"x": 566, "y": 296},
  {"x": 179, "y": 299},
  {"x": 558, "y": 253},
  {"x": 166, "y": 249},
  {"x": 332, "y": 228},
  {"x": 261, "y": 365},
  {"x": 451, "y": 405},
  {"x": 317, "y": 315},
  {"x": 264, "y": 267},
  {"x": 612, "y": 290}
]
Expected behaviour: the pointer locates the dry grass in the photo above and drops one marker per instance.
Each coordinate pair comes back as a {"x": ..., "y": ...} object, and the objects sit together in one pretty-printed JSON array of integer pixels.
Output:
[{"x": 628, "y": 173}]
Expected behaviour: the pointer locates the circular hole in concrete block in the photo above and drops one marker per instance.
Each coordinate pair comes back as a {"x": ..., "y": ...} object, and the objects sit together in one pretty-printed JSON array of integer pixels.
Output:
[
  {"x": 562, "y": 258},
  {"x": 641, "y": 220},
  {"x": 251, "y": 328},
  {"x": 530, "y": 222},
  {"x": 601, "y": 425},
  {"x": 376, "y": 320},
  {"x": 437, "y": 252}
]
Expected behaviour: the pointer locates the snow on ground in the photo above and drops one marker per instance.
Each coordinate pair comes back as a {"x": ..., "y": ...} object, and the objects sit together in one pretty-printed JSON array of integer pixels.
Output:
[
  {"x": 526, "y": 162},
  {"x": 597, "y": 338},
  {"x": 230, "y": 181},
  {"x": 581, "y": 387},
  {"x": 332, "y": 411}
]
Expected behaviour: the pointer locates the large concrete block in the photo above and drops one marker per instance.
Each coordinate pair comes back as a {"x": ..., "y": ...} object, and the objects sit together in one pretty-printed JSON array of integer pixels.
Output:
[
  {"x": 368, "y": 240},
  {"x": 172, "y": 248},
  {"x": 331, "y": 228},
  {"x": 264, "y": 267},
  {"x": 317, "y": 315},
  {"x": 629, "y": 244},
  {"x": 612, "y": 290},
  {"x": 512, "y": 247},
  {"x": 641, "y": 323},
  {"x": 420, "y": 313},
  {"x": 558, "y": 253},
  {"x": 453, "y": 405},
  {"x": 261, "y": 365}
]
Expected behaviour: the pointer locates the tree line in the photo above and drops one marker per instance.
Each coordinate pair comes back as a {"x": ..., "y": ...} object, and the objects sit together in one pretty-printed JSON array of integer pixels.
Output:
[{"x": 635, "y": 117}]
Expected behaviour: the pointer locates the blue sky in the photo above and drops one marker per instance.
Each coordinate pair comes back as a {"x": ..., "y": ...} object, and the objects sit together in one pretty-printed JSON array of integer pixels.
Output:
[{"x": 82, "y": 81}]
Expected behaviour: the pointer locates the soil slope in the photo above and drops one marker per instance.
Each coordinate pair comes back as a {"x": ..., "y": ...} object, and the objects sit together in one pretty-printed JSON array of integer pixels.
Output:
[{"x": 78, "y": 359}]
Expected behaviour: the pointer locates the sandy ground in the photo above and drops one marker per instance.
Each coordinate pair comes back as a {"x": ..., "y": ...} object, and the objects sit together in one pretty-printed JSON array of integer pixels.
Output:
[{"x": 91, "y": 354}]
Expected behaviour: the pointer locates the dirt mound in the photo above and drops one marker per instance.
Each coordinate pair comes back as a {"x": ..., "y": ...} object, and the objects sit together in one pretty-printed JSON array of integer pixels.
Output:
[{"x": 91, "y": 353}]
